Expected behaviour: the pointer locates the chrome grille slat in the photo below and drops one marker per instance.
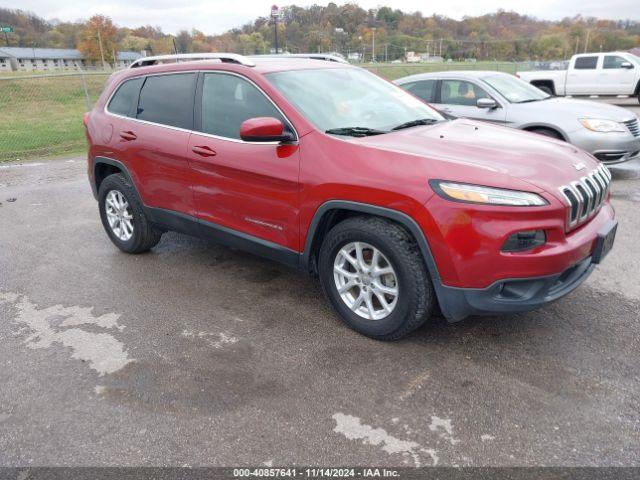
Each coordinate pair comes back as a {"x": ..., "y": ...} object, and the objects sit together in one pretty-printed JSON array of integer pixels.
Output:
[
  {"x": 633, "y": 126},
  {"x": 586, "y": 195}
]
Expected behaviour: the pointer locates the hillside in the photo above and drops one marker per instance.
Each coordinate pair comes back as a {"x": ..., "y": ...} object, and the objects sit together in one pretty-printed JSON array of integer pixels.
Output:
[{"x": 349, "y": 29}]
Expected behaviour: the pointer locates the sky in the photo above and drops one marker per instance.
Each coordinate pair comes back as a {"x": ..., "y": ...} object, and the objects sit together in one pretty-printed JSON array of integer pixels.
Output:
[{"x": 217, "y": 16}]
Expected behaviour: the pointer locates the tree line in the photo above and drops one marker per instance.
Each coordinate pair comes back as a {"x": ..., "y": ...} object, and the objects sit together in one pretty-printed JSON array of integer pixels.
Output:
[{"x": 347, "y": 29}]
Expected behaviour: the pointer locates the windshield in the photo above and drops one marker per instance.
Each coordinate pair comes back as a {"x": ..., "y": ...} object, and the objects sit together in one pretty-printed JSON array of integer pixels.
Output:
[
  {"x": 514, "y": 89},
  {"x": 344, "y": 98}
]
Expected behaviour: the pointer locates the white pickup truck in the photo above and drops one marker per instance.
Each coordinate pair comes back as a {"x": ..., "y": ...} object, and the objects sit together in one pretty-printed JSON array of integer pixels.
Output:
[{"x": 602, "y": 74}]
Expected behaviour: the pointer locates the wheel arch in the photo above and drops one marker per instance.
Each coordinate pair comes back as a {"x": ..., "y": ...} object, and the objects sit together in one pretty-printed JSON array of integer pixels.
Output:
[
  {"x": 545, "y": 83},
  {"x": 334, "y": 211},
  {"x": 103, "y": 167},
  {"x": 545, "y": 126}
]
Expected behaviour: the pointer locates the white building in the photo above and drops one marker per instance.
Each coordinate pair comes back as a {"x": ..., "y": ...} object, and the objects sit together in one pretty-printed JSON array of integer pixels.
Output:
[{"x": 21, "y": 59}]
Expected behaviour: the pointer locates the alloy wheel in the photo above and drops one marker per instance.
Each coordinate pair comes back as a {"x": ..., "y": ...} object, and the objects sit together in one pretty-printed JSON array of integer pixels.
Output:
[
  {"x": 366, "y": 280},
  {"x": 119, "y": 215}
]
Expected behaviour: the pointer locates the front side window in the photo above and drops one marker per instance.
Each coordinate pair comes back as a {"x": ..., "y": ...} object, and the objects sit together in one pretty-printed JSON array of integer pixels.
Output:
[
  {"x": 229, "y": 100},
  {"x": 347, "y": 97},
  {"x": 168, "y": 100},
  {"x": 461, "y": 92},
  {"x": 613, "y": 61},
  {"x": 423, "y": 89},
  {"x": 124, "y": 100},
  {"x": 586, "y": 63}
]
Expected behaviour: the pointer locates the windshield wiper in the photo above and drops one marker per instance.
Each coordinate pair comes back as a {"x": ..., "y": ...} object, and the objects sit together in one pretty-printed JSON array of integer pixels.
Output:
[
  {"x": 415, "y": 123},
  {"x": 355, "y": 131}
]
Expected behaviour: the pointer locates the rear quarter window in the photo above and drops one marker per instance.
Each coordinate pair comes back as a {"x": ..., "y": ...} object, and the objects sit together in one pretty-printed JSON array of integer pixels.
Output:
[
  {"x": 423, "y": 89},
  {"x": 168, "y": 100},
  {"x": 125, "y": 99}
]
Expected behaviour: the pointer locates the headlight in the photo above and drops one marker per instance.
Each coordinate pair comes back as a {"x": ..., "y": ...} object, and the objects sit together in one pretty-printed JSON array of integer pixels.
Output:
[
  {"x": 598, "y": 125},
  {"x": 461, "y": 192}
]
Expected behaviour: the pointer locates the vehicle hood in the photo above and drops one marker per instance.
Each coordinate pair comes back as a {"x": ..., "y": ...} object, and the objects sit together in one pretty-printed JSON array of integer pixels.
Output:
[
  {"x": 477, "y": 152},
  {"x": 577, "y": 109}
]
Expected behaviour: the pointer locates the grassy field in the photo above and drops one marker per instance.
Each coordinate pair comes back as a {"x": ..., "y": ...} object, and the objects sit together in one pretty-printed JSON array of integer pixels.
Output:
[{"x": 41, "y": 115}]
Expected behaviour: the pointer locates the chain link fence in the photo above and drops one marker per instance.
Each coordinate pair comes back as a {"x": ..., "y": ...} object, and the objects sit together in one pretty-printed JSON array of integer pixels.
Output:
[{"x": 41, "y": 115}]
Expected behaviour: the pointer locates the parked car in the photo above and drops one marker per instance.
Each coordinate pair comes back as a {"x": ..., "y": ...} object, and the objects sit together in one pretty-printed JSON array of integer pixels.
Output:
[
  {"x": 330, "y": 169},
  {"x": 610, "y": 133},
  {"x": 604, "y": 74}
]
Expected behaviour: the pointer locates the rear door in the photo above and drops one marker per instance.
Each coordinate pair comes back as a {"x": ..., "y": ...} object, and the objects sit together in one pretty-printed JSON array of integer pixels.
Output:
[
  {"x": 583, "y": 75},
  {"x": 158, "y": 139},
  {"x": 460, "y": 97},
  {"x": 249, "y": 187}
]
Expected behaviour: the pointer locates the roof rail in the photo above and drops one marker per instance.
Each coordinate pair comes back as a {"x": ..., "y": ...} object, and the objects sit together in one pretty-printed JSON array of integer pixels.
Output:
[
  {"x": 314, "y": 56},
  {"x": 189, "y": 57}
]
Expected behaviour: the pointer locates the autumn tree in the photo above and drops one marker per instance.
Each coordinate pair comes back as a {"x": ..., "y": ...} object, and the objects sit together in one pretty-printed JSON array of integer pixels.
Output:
[{"x": 99, "y": 39}]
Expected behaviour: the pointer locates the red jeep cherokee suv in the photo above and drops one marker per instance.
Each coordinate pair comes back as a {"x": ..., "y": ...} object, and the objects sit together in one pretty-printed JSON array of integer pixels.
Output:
[{"x": 335, "y": 171}]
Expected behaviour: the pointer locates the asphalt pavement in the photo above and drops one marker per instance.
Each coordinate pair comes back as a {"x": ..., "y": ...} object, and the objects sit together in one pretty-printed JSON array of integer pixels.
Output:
[{"x": 199, "y": 355}]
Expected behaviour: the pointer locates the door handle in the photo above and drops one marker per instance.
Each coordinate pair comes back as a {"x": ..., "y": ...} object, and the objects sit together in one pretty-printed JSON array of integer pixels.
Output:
[
  {"x": 128, "y": 135},
  {"x": 203, "y": 151}
]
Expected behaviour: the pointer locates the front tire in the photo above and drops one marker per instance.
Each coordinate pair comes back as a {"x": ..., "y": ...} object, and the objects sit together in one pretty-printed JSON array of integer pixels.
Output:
[
  {"x": 547, "y": 133},
  {"x": 373, "y": 273},
  {"x": 123, "y": 217}
]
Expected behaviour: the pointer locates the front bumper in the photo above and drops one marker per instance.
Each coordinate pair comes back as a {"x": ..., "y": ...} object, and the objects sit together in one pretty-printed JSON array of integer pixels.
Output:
[
  {"x": 610, "y": 148},
  {"x": 512, "y": 295}
]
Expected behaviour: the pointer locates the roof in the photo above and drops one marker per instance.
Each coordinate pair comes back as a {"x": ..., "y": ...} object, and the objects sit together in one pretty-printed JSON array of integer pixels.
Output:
[
  {"x": 451, "y": 74},
  {"x": 55, "y": 53}
]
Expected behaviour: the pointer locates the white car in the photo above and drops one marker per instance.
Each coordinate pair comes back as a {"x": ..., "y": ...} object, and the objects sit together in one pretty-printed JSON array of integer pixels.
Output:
[{"x": 603, "y": 74}]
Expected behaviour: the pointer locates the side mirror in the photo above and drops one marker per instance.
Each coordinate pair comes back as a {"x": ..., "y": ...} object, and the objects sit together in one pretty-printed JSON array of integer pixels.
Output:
[
  {"x": 626, "y": 65},
  {"x": 263, "y": 129},
  {"x": 486, "y": 103}
]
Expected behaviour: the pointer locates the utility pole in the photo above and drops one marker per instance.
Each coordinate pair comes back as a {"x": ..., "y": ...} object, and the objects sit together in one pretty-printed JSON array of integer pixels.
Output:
[
  {"x": 101, "y": 50},
  {"x": 373, "y": 45},
  {"x": 577, "y": 45},
  {"x": 586, "y": 41},
  {"x": 385, "y": 52},
  {"x": 275, "y": 12}
]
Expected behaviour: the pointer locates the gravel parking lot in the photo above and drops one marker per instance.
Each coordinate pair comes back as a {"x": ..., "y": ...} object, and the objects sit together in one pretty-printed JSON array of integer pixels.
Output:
[{"x": 198, "y": 355}]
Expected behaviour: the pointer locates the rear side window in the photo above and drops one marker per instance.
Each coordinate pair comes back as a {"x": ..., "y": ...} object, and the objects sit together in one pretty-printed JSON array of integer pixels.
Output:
[
  {"x": 124, "y": 100},
  {"x": 228, "y": 100},
  {"x": 168, "y": 100},
  {"x": 586, "y": 63},
  {"x": 424, "y": 89}
]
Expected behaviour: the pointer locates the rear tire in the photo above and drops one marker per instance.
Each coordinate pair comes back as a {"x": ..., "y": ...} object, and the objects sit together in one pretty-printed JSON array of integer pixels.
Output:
[
  {"x": 545, "y": 89},
  {"x": 385, "y": 247},
  {"x": 123, "y": 217}
]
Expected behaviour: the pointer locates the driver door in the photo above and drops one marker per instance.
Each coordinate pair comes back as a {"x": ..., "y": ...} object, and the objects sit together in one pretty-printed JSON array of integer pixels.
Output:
[
  {"x": 459, "y": 98},
  {"x": 248, "y": 187}
]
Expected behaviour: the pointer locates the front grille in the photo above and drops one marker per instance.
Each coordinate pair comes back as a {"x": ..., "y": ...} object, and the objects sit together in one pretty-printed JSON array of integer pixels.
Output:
[
  {"x": 634, "y": 127},
  {"x": 586, "y": 196}
]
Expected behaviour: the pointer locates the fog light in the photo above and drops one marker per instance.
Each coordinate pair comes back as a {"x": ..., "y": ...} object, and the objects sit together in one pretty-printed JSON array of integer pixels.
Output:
[{"x": 525, "y": 240}]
